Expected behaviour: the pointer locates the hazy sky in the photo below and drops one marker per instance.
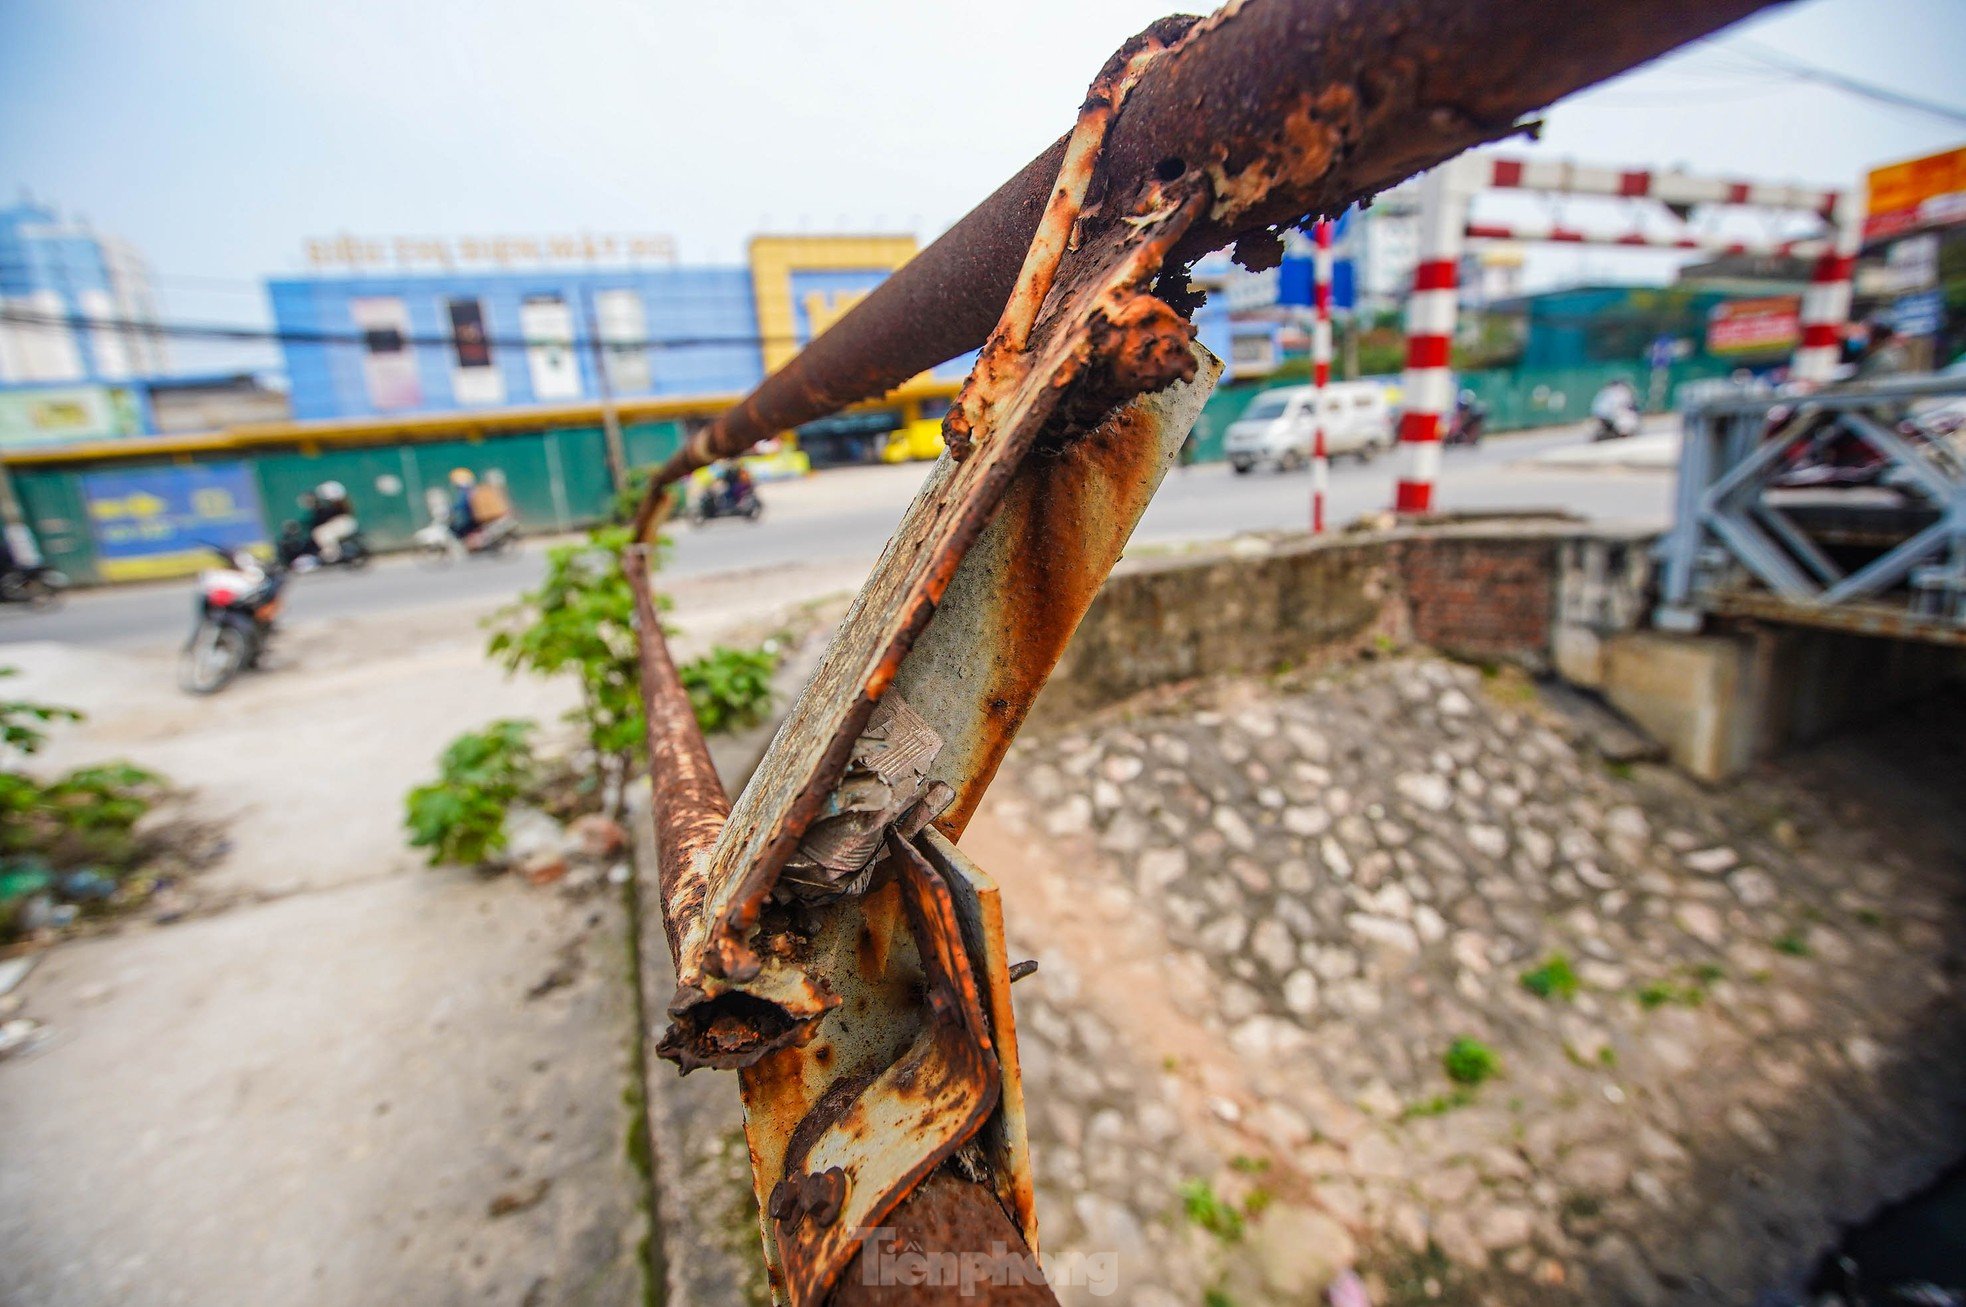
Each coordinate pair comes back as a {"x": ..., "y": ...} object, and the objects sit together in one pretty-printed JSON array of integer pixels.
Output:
[{"x": 217, "y": 134}]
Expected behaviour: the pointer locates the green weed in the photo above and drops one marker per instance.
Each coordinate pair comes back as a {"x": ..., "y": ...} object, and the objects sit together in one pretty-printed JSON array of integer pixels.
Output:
[
  {"x": 1553, "y": 979},
  {"x": 1470, "y": 1062}
]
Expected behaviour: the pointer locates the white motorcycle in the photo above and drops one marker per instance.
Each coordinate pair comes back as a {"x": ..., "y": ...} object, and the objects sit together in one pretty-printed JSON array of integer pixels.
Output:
[{"x": 438, "y": 546}]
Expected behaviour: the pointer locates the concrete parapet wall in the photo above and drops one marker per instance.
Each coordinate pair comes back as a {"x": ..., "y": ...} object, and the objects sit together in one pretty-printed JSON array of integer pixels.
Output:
[
  {"x": 1482, "y": 590},
  {"x": 1544, "y": 594}
]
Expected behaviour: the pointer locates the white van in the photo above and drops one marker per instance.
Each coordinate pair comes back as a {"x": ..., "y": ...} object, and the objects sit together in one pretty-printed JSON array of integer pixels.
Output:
[{"x": 1276, "y": 427}]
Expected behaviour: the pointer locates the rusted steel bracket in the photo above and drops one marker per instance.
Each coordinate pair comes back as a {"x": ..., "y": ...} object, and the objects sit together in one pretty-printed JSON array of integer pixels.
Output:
[
  {"x": 1099, "y": 339},
  {"x": 970, "y": 677},
  {"x": 894, "y": 1059}
]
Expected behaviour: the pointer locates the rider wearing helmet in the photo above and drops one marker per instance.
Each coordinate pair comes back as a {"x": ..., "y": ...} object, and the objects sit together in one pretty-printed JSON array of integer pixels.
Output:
[
  {"x": 330, "y": 518},
  {"x": 463, "y": 520}
]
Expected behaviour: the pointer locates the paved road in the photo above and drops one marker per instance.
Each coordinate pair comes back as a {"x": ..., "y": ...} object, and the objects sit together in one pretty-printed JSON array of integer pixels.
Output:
[{"x": 848, "y": 514}]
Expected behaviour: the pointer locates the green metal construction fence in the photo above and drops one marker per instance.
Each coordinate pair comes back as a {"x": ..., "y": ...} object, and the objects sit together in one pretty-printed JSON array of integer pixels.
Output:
[
  {"x": 129, "y": 518},
  {"x": 1517, "y": 399}
]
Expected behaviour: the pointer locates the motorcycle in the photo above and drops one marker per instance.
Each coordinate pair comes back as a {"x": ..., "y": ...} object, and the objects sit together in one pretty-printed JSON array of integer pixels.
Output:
[
  {"x": 1469, "y": 424},
  {"x": 299, "y": 553},
  {"x": 715, "y": 502},
  {"x": 436, "y": 544},
  {"x": 1615, "y": 426},
  {"x": 35, "y": 585},
  {"x": 236, "y": 606}
]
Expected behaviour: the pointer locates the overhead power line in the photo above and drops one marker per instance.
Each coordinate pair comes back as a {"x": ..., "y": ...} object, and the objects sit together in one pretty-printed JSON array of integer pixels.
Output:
[
  {"x": 231, "y": 332},
  {"x": 1808, "y": 72}
]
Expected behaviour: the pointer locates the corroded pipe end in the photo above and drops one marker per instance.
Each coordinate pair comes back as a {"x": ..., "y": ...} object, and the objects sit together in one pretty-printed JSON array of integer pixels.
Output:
[{"x": 735, "y": 1029}]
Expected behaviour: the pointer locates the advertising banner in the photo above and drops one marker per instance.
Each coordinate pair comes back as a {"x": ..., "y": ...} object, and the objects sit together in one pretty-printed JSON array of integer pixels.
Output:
[
  {"x": 388, "y": 365},
  {"x": 547, "y": 325},
  {"x": 36, "y": 419},
  {"x": 157, "y": 521},
  {"x": 623, "y": 324},
  {"x": 474, "y": 377},
  {"x": 1921, "y": 314},
  {"x": 1916, "y": 194},
  {"x": 1761, "y": 326}
]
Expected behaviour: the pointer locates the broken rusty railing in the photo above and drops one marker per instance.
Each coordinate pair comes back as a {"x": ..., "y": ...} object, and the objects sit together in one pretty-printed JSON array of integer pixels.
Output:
[{"x": 831, "y": 942}]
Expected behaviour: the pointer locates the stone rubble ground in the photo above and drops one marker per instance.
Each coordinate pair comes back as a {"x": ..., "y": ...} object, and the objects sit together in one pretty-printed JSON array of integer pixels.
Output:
[{"x": 1338, "y": 879}]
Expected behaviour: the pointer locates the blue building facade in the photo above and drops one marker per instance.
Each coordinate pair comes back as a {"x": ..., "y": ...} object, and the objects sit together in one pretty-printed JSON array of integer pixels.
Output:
[
  {"x": 78, "y": 332},
  {"x": 364, "y": 344},
  {"x": 79, "y": 308},
  {"x": 459, "y": 341}
]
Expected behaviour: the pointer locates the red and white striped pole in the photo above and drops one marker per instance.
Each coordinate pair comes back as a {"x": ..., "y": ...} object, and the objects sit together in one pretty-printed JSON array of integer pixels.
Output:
[
  {"x": 1826, "y": 303},
  {"x": 1430, "y": 313},
  {"x": 1320, "y": 366}
]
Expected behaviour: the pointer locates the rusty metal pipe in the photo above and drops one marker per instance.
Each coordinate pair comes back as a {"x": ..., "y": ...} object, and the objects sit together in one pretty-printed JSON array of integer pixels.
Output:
[
  {"x": 688, "y": 799},
  {"x": 1292, "y": 107},
  {"x": 690, "y": 808}
]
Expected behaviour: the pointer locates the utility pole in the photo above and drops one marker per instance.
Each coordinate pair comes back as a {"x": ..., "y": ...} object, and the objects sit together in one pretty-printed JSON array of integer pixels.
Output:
[{"x": 610, "y": 420}]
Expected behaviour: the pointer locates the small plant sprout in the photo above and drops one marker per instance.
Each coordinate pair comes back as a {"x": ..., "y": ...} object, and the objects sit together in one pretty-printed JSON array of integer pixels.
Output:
[
  {"x": 1470, "y": 1062},
  {"x": 1210, "y": 1211},
  {"x": 1554, "y": 979}
]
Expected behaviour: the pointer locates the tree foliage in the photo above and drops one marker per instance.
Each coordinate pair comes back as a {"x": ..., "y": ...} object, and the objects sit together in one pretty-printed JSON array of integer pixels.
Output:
[
  {"x": 581, "y": 620},
  {"x": 730, "y": 689}
]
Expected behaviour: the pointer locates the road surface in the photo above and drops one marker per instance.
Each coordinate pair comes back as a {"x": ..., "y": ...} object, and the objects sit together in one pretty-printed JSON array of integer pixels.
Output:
[{"x": 848, "y": 513}]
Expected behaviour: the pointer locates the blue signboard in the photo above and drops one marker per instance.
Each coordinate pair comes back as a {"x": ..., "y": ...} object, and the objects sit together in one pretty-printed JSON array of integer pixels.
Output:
[
  {"x": 1294, "y": 275},
  {"x": 157, "y": 521},
  {"x": 1922, "y": 314},
  {"x": 1294, "y": 282}
]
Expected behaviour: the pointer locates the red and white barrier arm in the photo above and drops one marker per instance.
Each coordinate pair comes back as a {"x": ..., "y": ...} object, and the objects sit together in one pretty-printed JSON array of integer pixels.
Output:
[
  {"x": 1562, "y": 177},
  {"x": 1558, "y": 235}
]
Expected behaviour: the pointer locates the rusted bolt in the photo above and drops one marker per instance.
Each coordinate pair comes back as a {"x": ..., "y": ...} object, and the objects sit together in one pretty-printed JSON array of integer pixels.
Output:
[
  {"x": 785, "y": 1203},
  {"x": 1019, "y": 970},
  {"x": 824, "y": 1193}
]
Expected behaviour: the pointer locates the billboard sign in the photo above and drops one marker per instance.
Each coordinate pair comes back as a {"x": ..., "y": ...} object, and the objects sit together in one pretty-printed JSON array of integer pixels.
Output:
[
  {"x": 364, "y": 253},
  {"x": 474, "y": 377},
  {"x": 622, "y": 323},
  {"x": 66, "y": 415},
  {"x": 800, "y": 285},
  {"x": 547, "y": 325},
  {"x": 1916, "y": 194},
  {"x": 1922, "y": 314},
  {"x": 388, "y": 364},
  {"x": 1759, "y": 326},
  {"x": 157, "y": 521}
]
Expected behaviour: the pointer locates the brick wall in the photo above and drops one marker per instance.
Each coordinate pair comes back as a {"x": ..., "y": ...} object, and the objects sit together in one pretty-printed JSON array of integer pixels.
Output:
[{"x": 1482, "y": 597}]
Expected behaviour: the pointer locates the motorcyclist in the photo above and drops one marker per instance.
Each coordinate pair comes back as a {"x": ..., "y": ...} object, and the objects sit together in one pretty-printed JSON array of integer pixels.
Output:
[
  {"x": 476, "y": 506},
  {"x": 330, "y": 519},
  {"x": 1616, "y": 408},
  {"x": 737, "y": 486},
  {"x": 1470, "y": 418},
  {"x": 464, "y": 518}
]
